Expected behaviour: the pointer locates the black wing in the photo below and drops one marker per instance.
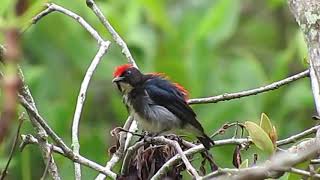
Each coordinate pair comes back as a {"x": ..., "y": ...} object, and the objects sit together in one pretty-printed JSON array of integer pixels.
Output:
[{"x": 163, "y": 93}]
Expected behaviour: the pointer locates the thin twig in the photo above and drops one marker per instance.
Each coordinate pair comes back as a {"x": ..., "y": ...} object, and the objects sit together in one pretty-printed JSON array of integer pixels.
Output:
[
  {"x": 130, "y": 123},
  {"x": 304, "y": 173},
  {"x": 227, "y": 96},
  {"x": 47, "y": 165},
  {"x": 30, "y": 139},
  {"x": 224, "y": 127},
  {"x": 14, "y": 145},
  {"x": 116, "y": 37},
  {"x": 51, "y": 7},
  {"x": 199, "y": 148},
  {"x": 184, "y": 158},
  {"x": 124, "y": 140},
  {"x": 315, "y": 84},
  {"x": 103, "y": 47},
  {"x": 41, "y": 133},
  {"x": 296, "y": 137},
  {"x": 66, "y": 150},
  {"x": 274, "y": 168},
  {"x": 80, "y": 101},
  {"x": 45, "y": 126}
]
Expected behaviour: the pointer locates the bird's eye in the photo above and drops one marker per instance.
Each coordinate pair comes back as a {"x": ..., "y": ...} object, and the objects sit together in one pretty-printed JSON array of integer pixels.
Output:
[{"x": 128, "y": 72}]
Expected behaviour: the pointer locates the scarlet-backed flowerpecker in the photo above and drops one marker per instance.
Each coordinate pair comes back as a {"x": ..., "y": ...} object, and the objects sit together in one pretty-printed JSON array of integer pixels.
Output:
[{"x": 157, "y": 104}]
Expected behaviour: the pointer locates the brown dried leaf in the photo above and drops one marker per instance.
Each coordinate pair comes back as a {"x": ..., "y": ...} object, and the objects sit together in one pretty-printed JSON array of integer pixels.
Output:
[
  {"x": 112, "y": 150},
  {"x": 236, "y": 161}
]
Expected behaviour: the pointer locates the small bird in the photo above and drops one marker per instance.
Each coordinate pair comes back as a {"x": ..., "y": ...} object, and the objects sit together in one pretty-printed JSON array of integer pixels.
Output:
[{"x": 157, "y": 104}]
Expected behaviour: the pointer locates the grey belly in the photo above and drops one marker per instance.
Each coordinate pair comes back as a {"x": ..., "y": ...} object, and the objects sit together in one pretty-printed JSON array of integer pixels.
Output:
[{"x": 157, "y": 119}]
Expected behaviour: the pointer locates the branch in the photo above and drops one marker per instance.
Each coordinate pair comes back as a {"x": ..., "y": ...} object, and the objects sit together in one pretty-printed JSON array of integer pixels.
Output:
[
  {"x": 304, "y": 173},
  {"x": 30, "y": 139},
  {"x": 275, "y": 168},
  {"x": 77, "y": 158},
  {"x": 306, "y": 13},
  {"x": 272, "y": 86},
  {"x": 199, "y": 148},
  {"x": 45, "y": 126},
  {"x": 51, "y": 7},
  {"x": 47, "y": 165},
  {"x": 116, "y": 37},
  {"x": 67, "y": 152},
  {"x": 81, "y": 98},
  {"x": 130, "y": 123},
  {"x": 296, "y": 137},
  {"x": 84, "y": 86},
  {"x": 41, "y": 133},
  {"x": 124, "y": 136},
  {"x": 15, "y": 142},
  {"x": 184, "y": 158}
]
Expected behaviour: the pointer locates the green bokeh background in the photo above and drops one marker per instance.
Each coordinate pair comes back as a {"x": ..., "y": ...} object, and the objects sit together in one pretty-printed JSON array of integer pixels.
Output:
[{"x": 209, "y": 46}]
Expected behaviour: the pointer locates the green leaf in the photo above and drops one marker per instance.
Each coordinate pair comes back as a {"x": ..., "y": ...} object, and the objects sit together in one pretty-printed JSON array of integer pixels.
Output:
[
  {"x": 267, "y": 126},
  {"x": 244, "y": 164},
  {"x": 265, "y": 123},
  {"x": 259, "y": 137}
]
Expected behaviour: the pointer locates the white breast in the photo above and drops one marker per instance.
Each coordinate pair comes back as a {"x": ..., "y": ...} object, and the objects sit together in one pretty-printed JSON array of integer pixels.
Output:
[{"x": 155, "y": 118}]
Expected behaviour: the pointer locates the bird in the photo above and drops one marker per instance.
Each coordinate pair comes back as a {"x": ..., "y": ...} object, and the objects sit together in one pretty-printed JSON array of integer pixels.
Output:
[{"x": 156, "y": 103}]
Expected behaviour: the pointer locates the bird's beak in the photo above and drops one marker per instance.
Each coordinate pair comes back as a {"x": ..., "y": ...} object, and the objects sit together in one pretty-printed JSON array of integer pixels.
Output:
[{"x": 117, "y": 79}]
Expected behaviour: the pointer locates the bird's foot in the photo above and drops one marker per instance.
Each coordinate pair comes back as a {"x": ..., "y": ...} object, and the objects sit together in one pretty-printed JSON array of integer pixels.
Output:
[
  {"x": 145, "y": 136},
  {"x": 174, "y": 137},
  {"x": 133, "y": 133}
]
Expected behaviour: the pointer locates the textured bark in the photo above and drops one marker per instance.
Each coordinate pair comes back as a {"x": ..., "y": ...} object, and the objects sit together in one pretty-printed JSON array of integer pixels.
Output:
[{"x": 307, "y": 15}]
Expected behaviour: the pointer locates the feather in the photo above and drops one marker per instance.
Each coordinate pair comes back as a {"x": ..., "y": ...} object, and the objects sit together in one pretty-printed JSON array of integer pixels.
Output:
[
  {"x": 164, "y": 93},
  {"x": 120, "y": 69},
  {"x": 177, "y": 85}
]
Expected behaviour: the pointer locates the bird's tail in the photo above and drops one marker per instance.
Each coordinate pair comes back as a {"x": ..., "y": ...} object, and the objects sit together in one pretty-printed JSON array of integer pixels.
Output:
[{"x": 206, "y": 141}]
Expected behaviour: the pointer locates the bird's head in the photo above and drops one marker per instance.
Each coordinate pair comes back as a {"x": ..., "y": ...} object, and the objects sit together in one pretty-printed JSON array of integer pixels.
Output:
[{"x": 127, "y": 77}]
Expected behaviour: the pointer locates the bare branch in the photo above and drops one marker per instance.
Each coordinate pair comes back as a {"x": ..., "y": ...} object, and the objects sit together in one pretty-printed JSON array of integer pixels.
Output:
[
  {"x": 116, "y": 37},
  {"x": 66, "y": 150},
  {"x": 45, "y": 126},
  {"x": 199, "y": 148},
  {"x": 296, "y": 137},
  {"x": 124, "y": 136},
  {"x": 184, "y": 158},
  {"x": 51, "y": 7},
  {"x": 278, "y": 164},
  {"x": 304, "y": 173},
  {"x": 130, "y": 123},
  {"x": 41, "y": 133},
  {"x": 272, "y": 86},
  {"x": 15, "y": 142},
  {"x": 47, "y": 165},
  {"x": 306, "y": 13},
  {"x": 84, "y": 86},
  {"x": 80, "y": 101},
  {"x": 29, "y": 139}
]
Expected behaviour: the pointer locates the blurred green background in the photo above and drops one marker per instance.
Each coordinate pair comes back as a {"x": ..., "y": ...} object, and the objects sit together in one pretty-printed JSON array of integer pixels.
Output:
[{"x": 209, "y": 46}]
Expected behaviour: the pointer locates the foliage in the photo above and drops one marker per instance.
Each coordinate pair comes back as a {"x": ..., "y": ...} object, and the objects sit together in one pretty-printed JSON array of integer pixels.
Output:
[{"x": 211, "y": 47}]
